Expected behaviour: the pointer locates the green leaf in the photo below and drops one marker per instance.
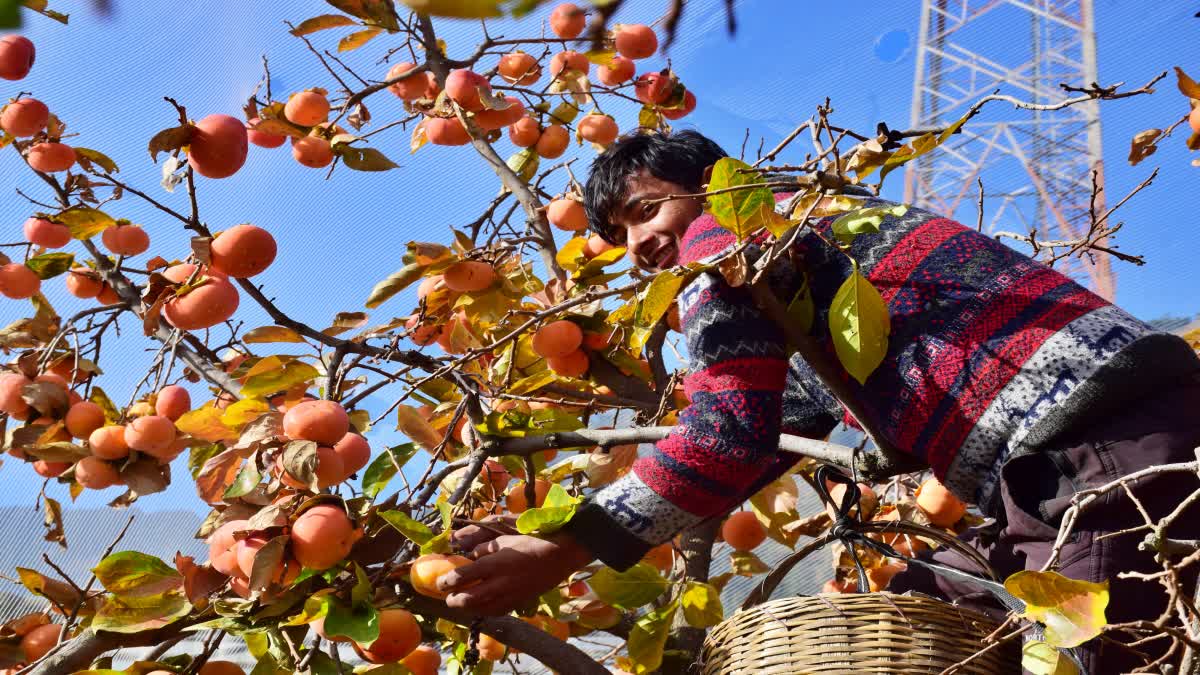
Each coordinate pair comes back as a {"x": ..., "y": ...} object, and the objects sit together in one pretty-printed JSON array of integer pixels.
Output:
[
  {"x": 86, "y": 156},
  {"x": 636, "y": 586},
  {"x": 322, "y": 22},
  {"x": 1039, "y": 658},
  {"x": 555, "y": 512},
  {"x": 648, "y": 637},
  {"x": 247, "y": 479},
  {"x": 85, "y": 223},
  {"x": 1071, "y": 610},
  {"x": 131, "y": 574},
  {"x": 524, "y": 163},
  {"x": 378, "y": 12},
  {"x": 439, "y": 544},
  {"x": 360, "y": 593},
  {"x": 365, "y": 159},
  {"x": 294, "y": 372},
  {"x": 265, "y": 334},
  {"x": 863, "y": 221},
  {"x": 415, "y": 530},
  {"x": 139, "y": 614},
  {"x": 457, "y": 9},
  {"x": 860, "y": 325},
  {"x": 384, "y": 467},
  {"x": 800, "y": 310},
  {"x": 360, "y": 623},
  {"x": 701, "y": 605},
  {"x": 50, "y": 265},
  {"x": 740, "y": 211}
]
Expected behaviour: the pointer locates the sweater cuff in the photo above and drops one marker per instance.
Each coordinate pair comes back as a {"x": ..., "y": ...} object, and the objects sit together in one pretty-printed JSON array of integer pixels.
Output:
[{"x": 595, "y": 530}]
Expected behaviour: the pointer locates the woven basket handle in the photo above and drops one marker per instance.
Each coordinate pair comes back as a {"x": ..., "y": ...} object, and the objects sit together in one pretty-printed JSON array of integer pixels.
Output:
[{"x": 763, "y": 591}]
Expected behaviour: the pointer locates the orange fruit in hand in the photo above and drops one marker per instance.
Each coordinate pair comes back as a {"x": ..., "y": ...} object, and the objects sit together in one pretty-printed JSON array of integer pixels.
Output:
[
  {"x": 490, "y": 648},
  {"x": 567, "y": 20},
  {"x": 567, "y": 214},
  {"x": 742, "y": 531},
  {"x": 636, "y": 41},
  {"x": 941, "y": 506},
  {"x": 24, "y": 117},
  {"x": 306, "y": 108},
  {"x": 427, "y": 569},
  {"x": 557, "y": 338},
  {"x": 515, "y": 500},
  {"x": 218, "y": 145},
  {"x": 243, "y": 251},
  {"x": 51, "y": 157}
]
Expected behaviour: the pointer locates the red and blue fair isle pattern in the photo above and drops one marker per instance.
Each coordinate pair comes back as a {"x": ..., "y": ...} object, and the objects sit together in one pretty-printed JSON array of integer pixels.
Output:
[{"x": 985, "y": 345}]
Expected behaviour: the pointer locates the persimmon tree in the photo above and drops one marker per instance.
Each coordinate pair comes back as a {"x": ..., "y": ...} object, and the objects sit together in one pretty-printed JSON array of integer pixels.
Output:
[{"x": 524, "y": 378}]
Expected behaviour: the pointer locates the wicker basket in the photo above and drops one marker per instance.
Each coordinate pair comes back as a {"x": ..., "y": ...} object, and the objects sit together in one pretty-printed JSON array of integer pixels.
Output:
[{"x": 854, "y": 633}]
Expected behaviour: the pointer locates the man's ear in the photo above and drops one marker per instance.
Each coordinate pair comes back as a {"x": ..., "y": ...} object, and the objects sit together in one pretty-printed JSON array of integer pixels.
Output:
[{"x": 708, "y": 174}]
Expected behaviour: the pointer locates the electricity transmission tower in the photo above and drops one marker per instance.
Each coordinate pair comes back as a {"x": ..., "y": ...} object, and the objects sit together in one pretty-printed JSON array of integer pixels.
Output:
[{"x": 1036, "y": 166}]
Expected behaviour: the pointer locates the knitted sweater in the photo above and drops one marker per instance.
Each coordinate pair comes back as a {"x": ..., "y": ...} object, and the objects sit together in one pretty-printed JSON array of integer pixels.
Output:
[{"x": 991, "y": 355}]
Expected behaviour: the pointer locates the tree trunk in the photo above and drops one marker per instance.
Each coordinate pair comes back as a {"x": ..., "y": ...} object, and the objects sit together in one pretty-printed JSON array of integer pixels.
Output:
[{"x": 682, "y": 653}]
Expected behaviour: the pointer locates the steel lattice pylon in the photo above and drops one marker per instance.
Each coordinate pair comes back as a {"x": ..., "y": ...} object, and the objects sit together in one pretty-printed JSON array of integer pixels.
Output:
[{"x": 1036, "y": 167}]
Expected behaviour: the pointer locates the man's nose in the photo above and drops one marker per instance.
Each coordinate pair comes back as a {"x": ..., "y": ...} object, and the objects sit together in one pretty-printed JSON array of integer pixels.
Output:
[{"x": 640, "y": 244}]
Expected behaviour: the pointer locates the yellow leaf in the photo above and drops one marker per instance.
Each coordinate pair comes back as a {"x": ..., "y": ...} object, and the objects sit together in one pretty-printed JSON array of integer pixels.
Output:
[
  {"x": 701, "y": 605},
  {"x": 419, "y": 137},
  {"x": 742, "y": 211},
  {"x": 322, "y": 22},
  {"x": 413, "y": 425},
  {"x": 279, "y": 379},
  {"x": 205, "y": 423},
  {"x": 1187, "y": 86},
  {"x": 271, "y": 334},
  {"x": 859, "y": 325},
  {"x": 1040, "y": 658},
  {"x": 1071, "y": 610},
  {"x": 458, "y": 9},
  {"x": 244, "y": 411}
]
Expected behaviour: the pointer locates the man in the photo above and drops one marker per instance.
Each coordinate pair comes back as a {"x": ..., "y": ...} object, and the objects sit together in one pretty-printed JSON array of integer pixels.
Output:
[{"x": 1017, "y": 386}]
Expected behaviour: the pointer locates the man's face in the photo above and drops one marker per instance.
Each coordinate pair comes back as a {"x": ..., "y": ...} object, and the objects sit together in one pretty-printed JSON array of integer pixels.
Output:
[{"x": 651, "y": 232}]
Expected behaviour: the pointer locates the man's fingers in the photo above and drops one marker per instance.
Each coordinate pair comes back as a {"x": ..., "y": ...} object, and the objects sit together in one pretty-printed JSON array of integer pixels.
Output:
[
  {"x": 458, "y": 578},
  {"x": 489, "y": 528},
  {"x": 486, "y": 597}
]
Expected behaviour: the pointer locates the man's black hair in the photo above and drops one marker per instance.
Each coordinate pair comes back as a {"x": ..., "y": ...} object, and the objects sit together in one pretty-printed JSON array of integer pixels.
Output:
[{"x": 679, "y": 158}]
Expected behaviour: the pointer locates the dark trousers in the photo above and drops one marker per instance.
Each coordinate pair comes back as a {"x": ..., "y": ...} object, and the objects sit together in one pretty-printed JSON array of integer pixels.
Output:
[{"x": 1036, "y": 491}]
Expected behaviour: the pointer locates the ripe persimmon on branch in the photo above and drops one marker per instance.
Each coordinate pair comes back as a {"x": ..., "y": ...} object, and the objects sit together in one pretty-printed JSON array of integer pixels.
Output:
[{"x": 529, "y": 337}]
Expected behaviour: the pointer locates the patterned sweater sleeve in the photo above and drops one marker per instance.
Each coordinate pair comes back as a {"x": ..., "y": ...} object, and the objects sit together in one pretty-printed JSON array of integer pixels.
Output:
[{"x": 725, "y": 445}]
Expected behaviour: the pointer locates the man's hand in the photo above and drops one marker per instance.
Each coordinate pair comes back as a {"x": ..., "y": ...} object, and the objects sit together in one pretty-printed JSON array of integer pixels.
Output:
[{"x": 510, "y": 570}]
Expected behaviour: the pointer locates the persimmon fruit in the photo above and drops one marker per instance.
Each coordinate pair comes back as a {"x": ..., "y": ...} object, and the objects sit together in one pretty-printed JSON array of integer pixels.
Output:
[
  {"x": 218, "y": 145},
  {"x": 306, "y": 108},
  {"x": 126, "y": 239},
  {"x": 636, "y": 41},
  {"x": 427, "y": 569},
  {"x": 42, "y": 232},
  {"x": 323, "y": 422},
  {"x": 50, "y": 157},
  {"x": 322, "y": 536},
  {"x": 742, "y": 531},
  {"x": 203, "y": 306},
  {"x": 567, "y": 20},
  {"x": 24, "y": 117},
  {"x": 243, "y": 251},
  {"x": 557, "y": 339}
]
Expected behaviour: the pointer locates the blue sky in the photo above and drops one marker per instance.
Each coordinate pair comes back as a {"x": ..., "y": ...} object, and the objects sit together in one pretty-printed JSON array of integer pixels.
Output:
[{"x": 106, "y": 79}]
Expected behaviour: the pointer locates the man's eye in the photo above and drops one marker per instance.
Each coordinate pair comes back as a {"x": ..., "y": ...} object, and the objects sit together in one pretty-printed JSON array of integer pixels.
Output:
[{"x": 647, "y": 209}]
